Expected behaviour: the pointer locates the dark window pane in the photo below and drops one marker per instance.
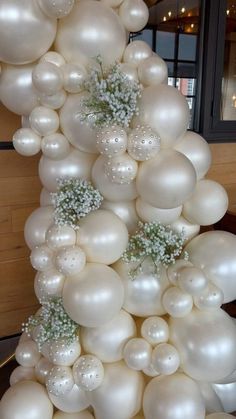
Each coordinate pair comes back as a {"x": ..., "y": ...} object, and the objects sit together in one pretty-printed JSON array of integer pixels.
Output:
[
  {"x": 186, "y": 70},
  {"x": 145, "y": 35},
  {"x": 170, "y": 66},
  {"x": 187, "y": 47},
  {"x": 165, "y": 42}
]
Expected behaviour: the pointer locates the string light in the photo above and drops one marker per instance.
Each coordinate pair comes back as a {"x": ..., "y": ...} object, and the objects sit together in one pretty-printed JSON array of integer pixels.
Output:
[
  {"x": 192, "y": 25},
  {"x": 227, "y": 12},
  {"x": 183, "y": 9},
  {"x": 164, "y": 19},
  {"x": 169, "y": 13}
]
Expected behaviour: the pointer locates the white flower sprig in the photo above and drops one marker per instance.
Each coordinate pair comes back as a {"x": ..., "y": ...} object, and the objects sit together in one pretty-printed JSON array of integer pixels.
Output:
[
  {"x": 52, "y": 323},
  {"x": 155, "y": 241},
  {"x": 74, "y": 199},
  {"x": 113, "y": 97}
]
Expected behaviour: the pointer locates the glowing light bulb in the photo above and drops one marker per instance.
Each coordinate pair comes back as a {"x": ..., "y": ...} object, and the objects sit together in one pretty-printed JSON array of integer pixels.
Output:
[{"x": 183, "y": 9}]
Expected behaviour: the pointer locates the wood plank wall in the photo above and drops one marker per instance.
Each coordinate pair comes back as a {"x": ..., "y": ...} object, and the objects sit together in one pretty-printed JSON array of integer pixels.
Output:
[{"x": 19, "y": 195}]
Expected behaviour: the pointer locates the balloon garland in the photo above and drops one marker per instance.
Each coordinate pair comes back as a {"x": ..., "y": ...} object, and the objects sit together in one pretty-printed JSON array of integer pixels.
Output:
[{"x": 130, "y": 324}]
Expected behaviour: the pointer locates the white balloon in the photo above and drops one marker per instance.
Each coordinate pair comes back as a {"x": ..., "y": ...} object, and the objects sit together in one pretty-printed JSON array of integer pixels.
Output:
[
  {"x": 48, "y": 284},
  {"x": 126, "y": 211},
  {"x": 56, "y": 8},
  {"x": 44, "y": 121},
  {"x": 88, "y": 372},
  {"x": 153, "y": 71},
  {"x": 165, "y": 359},
  {"x": 211, "y": 400},
  {"x": 41, "y": 258},
  {"x": 74, "y": 76},
  {"x": 60, "y": 380},
  {"x": 149, "y": 214},
  {"x": 121, "y": 169},
  {"x": 192, "y": 280},
  {"x": 182, "y": 225},
  {"x": 47, "y": 78},
  {"x": 176, "y": 302},
  {"x": 45, "y": 198},
  {"x": 42, "y": 369},
  {"x": 55, "y": 146},
  {"x": 136, "y": 52},
  {"x": 219, "y": 416},
  {"x": 26, "y": 142},
  {"x": 137, "y": 354},
  {"x": 37, "y": 225},
  {"x": 143, "y": 143},
  {"x": 55, "y": 101},
  {"x": 70, "y": 260},
  {"x": 226, "y": 394},
  {"x": 21, "y": 374},
  {"x": 130, "y": 71},
  {"x": 173, "y": 270},
  {"x": 53, "y": 57},
  {"x": 134, "y": 15},
  {"x": 60, "y": 236},
  {"x": 210, "y": 298},
  {"x": 63, "y": 353},
  {"x": 111, "y": 141},
  {"x": 73, "y": 402},
  {"x": 155, "y": 330}
]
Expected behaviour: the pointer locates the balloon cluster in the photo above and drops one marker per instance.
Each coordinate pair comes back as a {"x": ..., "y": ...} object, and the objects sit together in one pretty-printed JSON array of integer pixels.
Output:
[{"x": 105, "y": 345}]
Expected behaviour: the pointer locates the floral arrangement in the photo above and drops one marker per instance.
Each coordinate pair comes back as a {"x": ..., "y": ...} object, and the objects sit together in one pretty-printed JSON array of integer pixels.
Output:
[
  {"x": 74, "y": 199},
  {"x": 113, "y": 97},
  {"x": 52, "y": 323},
  {"x": 155, "y": 241}
]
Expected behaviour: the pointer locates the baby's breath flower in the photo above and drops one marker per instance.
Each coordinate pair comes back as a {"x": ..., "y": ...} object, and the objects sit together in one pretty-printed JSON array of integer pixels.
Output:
[
  {"x": 155, "y": 241},
  {"x": 74, "y": 199},
  {"x": 52, "y": 323},
  {"x": 113, "y": 97}
]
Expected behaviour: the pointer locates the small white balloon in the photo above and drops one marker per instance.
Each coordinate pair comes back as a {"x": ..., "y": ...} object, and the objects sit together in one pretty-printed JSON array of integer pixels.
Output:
[
  {"x": 143, "y": 143},
  {"x": 70, "y": 260},
  {"x": 27, "y": 354},
  {"x": 136, "y": 52},
  {"x": 63, "y": 353},
  {"x": 176, "y": 302},
  {"x": 41, "y": 258},
  {"x": 150, "y": 371},
  {"x": 111, "y": 141},
  {"x": 173, "y": 270},
  {"x": 121, "y": 169},
  {"x": 26, "y": 142},
  {"x": 55, "y": 146},
  {"x": 126, "y": 211},
  {"x": 37, "y": 225},
  {"x": 47, "y": 78},
  {"x": 182, "y": 225},
  {"x": 130, "y": 71},
  {"x": 153, "y": 71},
  {"x": 155, "y": 330},
  {"x": 60, "y": 381},
  {"x": 48, "y": 284},
  {"x": 88, "y": 372},
  {"x": 55, "y": 101},
  {"x": 56, "y": 8},
  {"x": 73, "y": 402},
  {"x": 210, "y": 298},
  {"x": 44, "y": 121},
  {"x": 60, "y": 236},
  {"x": 74, "y": 76},
  {"x": 134, "y": 14},
  {"x": 137, "y": 354},
  {"x": 21, "y": 374},
  {"x": 149, "y": 213},
  {"x": 192, "y": 280},
  {"x": 165, "y": 359},
  {"x": 53, "y": 57},
  {"x": 42, "y": 369}
]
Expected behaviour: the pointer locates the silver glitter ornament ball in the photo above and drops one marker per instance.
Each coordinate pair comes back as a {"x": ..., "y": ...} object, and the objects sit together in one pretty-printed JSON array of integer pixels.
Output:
[
  {"x": 121, "y": 169},
  {"x": 88, "y": 372},
  {"x": 143, "y": 143},
  {"x": 112, "y": 141},
  {"x": 59, "y": 380}
]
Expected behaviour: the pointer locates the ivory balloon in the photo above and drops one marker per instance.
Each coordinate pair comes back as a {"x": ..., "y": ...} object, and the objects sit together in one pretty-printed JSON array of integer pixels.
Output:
[
  {"x": 210, "y": 298},
  {"x": 55, "y": 146},
  {"x": 41, "y": 258},
  {"x": 119, "y": 385},
  {"x": 110, "y": 191},
  {"x": 208, "y": 203},
  {"x": 176, "y": 302},
  {"x": 197, "y": 150},
  {"x": 16, "y": 88},
  {"x": 56, "y": 8},
  {"x": 60, "y": 380},
  {"x": 44, "y": 121},
  {"x": 79, "y": 134},
  {"x": 129, "y": 71},
  {"x": 73, "y": 402},
  {"x": 103, "y": 236},
  {"x": 76, "y": 164},
  {"x": 60, "y": 236},
  {"x": 21, "y": 374},
  {"x": 214, "y": 253},
  {"x": 27, "y": 354},
  {"x": 153, "y": 71},
  {"x": 167, "y": 180},
  {"x": 111, "y": 141},
  {"x": 173, "y": 397},
  {"x": 136, "y": 52},
  {"x": 229, "y": 379},
  {"x": 137, "y": 354},
  {"x": 63, "y": 353},
  {"x": 143, "y": 295},
  {"x": 37, "y": 225},
  {"x": 190, "y": 230},
  {"x": 192, "y": 280},
  {"x": 226, "y": 394},
  {"x": 70, "y": 260},
  {"x": 126, "y": 211},
  {"x": 26, "y": 142},
  {"x": 27, "y": 400},
  {"x": 88, "y": 372},
  {"x": 219, "y": 416},
  {"x": 94, "y": 296},
  {"x": 82, "y": 415},
  {"x": 107, "y": 342},
  {"x": 149, "y": 214},
  {"x": 42, "y": 369},
  {"x": 134, "y": 15},
  {"x": 26, "y": 32},
  {"x": 106, "y": 30},
  {"x": 121, "y": 169},
  {"x": 74, "y": 75},
  {"x": 165, "y": 359},
  {"x": 155, "y": 330},
  {"x": 53, "y": 57},
  {"x": 204, "y": 342},
  {"x": 173, "y": 270},
  {"x": 45, "y": 198},
  {"x": 211, "y": 400},
  {"x": 143, "y": 143},
  {"x": 48, "y": 284},
  {"x": 55, "y": 101},
  {"x": 166, "y": 110},
  {"x": 47, "y": 78},
  {"x": 112, "y": 3}
]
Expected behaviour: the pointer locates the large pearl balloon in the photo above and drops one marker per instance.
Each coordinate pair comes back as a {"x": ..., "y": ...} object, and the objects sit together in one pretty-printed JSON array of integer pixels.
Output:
[
  {"x": 208, "y": 203},
  {"x": 94, "y": 296},
  {"x": 76, "y": 164},
  {"x": 134, "y": 15},
  {"x": 79, "y": 133},
  {"x": 103, "y": 236},
  {"x": 111, "y": 191},
  {"x": 48, "y": 284},
  {"x": 126, "y": 211},
  {"x": 92, "y": 29},
  {"x": 73, "y": 402},
  {"x": 21, "y": 374},
  {"x": 107, "y": 342},
  {"x": 214, "y": 253},
  {"x": 55, "y": 146},
  {"x": 190, "y": 230},
  {"x": 149, "y": 214},
  {"x": 166, "y": 110},
  {"x": 16, "y": 89},
  {"x": 153, "y": 71},
  {"x": 27, "y": 354},
  {"x": 226, "y": 394},
  {"x": 26, "y": 399},
  {"x": 204, "y": 342},
  {"x": 26, "y": 142},
  {"x": 79, "y": 415},
  {"x": 167, "y": 180},
  {"x": 120, "y": 385},
  {"x": 37, "y": 225},
  {"x": 173, "y": 397},
  {"x": 197, "y": 150},
  {"x": 56, "y": 8},
  {"x": 136, "y": 52},
  {"x": 44, "y": 121},
  {"x": 143, "y": 295},
  {"x": 26, "y": 32}
]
